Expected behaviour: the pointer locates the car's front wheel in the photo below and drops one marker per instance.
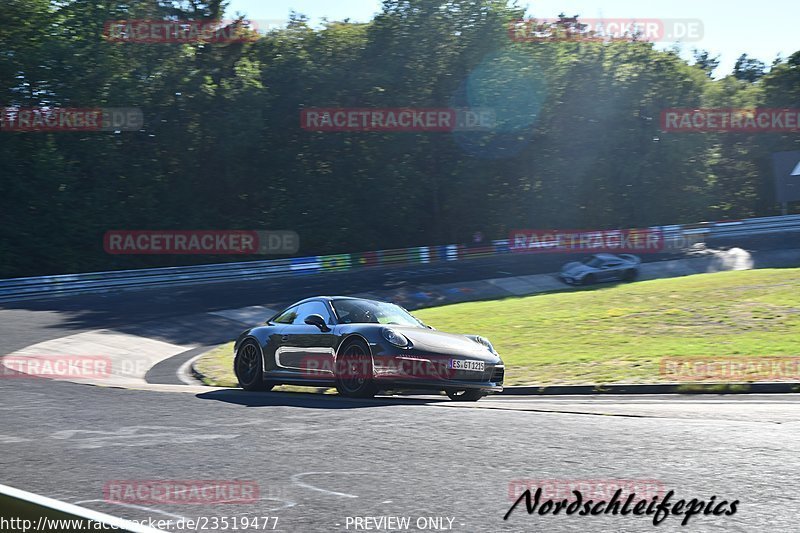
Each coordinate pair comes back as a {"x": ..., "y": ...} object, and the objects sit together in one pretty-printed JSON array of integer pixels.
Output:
[
  {"x": 354, "y": 375},
  {"x": 471, "y": 395},
  {"x": 248, "y": 367},
  {"x": 588, "y": 279}
]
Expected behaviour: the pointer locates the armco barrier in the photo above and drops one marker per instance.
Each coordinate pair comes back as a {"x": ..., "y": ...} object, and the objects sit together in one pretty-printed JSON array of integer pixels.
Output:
[
  {"x": 46, "y": 286},
  {"x": 756, "y": 226},
  {"x": 24, "y": 511}
]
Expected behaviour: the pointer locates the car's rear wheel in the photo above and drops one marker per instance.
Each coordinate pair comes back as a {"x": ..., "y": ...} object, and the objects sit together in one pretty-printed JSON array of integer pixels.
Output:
[
  {"x": 589, "y": 279},
  {"x": 354, "y": 376},
  {"x": 629, "y": 275},
  {"x": 471, "y": 395},
  {"x": 248, "y": 367}
]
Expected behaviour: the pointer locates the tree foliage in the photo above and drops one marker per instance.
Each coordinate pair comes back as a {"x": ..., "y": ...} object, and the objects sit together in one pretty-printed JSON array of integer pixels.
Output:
[{"x": 577, "y": 142}]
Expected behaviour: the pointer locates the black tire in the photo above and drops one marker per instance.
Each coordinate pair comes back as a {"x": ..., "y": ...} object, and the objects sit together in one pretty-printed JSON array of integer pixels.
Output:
[
  {"x": 471, "y": 395},
  {"x": 630, "y": 274},
  {"x": 354, "y": 377},
  {"x": 588, "y": 279},
  {"x": 248, "y": 367}
]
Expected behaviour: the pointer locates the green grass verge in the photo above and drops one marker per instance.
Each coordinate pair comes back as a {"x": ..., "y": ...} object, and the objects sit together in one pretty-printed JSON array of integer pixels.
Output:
[
  {"x": 217, "y": 367},
  {"x": 619, "y": 333}
]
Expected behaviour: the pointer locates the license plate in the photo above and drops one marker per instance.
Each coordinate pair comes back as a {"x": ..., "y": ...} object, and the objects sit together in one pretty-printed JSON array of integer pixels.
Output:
[{"x": 472, "y": 366}]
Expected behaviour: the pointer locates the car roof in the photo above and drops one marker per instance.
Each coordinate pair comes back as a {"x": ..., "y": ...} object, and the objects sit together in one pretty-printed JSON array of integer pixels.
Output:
[
  {"x": 331, "y": 298},
  {"x": 606, "y": 256},
  {"x": 322, "y": 298}
]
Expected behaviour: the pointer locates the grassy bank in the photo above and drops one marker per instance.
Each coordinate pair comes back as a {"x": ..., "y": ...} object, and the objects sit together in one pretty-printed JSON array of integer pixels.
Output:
[{"x": 620, "y": 333}]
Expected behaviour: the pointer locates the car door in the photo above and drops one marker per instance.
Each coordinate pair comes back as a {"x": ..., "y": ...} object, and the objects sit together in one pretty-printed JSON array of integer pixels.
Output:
[
  {"x": 304, "y": 348},
  {"x": 274, "y": 342},
  {"x": 611, "y": 269}
]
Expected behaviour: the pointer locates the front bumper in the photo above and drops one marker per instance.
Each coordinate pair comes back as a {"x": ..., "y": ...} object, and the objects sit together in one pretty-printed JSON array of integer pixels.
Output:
[
  {"x": 433, "y": 375},
  {"x": 386, "y": 384}
]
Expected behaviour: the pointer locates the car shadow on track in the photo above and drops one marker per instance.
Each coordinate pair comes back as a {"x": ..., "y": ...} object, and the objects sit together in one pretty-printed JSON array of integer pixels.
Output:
[{"x": 308, "y": 400}]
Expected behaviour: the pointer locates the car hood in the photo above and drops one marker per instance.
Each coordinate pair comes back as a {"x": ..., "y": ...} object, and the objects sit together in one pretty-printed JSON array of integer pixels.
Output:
[
  {"x": 576, "y": 269},
  {"x": 439, "y": 342}
]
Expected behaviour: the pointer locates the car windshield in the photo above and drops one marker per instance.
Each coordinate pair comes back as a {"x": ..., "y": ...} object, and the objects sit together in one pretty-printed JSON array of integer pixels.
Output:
[
  {"x": 371, "y": 312},
  {"x": 593, "y": 261}
]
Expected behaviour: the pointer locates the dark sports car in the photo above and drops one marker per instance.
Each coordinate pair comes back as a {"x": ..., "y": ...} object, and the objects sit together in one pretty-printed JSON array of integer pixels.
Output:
[
  {"x": 363, "y": 346},
  {"x": 601, "y": 267}
]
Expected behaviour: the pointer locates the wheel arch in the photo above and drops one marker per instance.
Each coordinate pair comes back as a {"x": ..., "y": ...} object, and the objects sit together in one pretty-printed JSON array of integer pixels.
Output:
[
  {"x": 244, "y": 339},
  {"x": 347, "y": 338},
  {"x": 350, "y": 336}
]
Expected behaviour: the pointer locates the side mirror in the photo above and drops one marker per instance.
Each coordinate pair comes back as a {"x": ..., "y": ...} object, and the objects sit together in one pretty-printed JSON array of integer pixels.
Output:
[{"x": 317, "y": 320}]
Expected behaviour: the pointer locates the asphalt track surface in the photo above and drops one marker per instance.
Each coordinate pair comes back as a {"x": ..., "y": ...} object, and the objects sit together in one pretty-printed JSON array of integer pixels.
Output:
[{"x": 320, "y": 459}]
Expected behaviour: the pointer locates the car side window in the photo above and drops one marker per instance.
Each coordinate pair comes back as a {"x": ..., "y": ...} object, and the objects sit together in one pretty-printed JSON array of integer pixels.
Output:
[
  {"x": 288, "y": 316},
  {"x": 594, "y": 262},
  {"x": 311, "y": 308}
]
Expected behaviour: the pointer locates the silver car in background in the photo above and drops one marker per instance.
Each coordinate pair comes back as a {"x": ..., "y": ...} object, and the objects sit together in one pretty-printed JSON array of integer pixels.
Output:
[{"x": 601, "y": 267}]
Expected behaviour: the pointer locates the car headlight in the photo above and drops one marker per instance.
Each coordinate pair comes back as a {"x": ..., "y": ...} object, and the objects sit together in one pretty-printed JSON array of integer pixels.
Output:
[
  {"x": 395, "y": 338},
  {"x": 484, "y": 341}
]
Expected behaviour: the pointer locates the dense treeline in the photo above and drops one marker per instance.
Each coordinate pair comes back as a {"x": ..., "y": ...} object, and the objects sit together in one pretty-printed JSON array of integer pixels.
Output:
[{"x": 577, "y": 143}]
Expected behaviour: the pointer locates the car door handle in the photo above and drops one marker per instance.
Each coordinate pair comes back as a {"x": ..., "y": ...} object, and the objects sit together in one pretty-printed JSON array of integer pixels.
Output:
[{"x": 284, "y": 338}]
